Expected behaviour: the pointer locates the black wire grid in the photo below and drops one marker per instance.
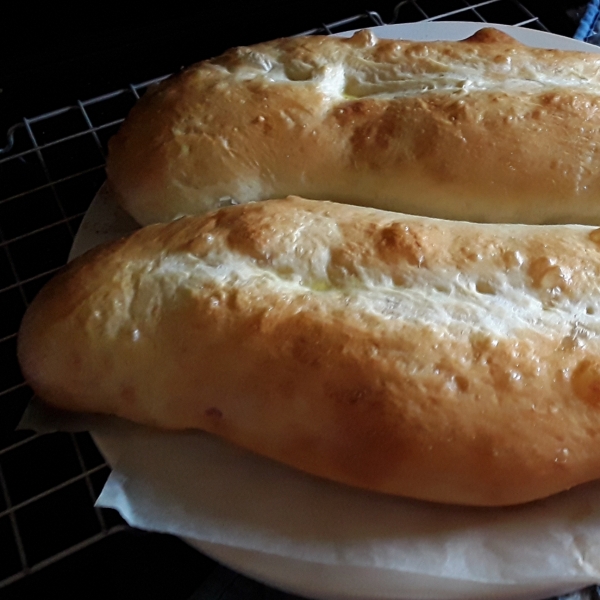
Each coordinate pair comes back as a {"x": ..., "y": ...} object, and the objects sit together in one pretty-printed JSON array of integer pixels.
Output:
[{"x": 51, "y": 167}]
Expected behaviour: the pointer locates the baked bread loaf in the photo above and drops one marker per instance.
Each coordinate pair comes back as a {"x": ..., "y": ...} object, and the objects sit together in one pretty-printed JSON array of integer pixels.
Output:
[
  {"x": 485, "y": 129},
  {"x": 441, "y": 360}
]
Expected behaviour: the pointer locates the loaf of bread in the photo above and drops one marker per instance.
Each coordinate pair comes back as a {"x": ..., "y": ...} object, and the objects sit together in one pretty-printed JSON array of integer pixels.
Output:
[
  {"x": 441, "y": 360},
  {"x": 485, "y": 129}
]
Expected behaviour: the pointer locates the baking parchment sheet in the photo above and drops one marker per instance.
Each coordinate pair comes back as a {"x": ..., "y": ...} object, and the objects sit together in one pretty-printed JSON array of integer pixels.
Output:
[{"x": 321, "y": 539}]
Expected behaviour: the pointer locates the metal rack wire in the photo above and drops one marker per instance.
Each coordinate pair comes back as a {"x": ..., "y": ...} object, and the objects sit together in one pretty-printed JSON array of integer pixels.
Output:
[{"x": 51, "y": 166}]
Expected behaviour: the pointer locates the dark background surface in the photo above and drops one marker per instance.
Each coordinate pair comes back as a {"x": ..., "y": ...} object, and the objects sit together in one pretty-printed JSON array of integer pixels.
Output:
[{"x": 51, "y": 56}]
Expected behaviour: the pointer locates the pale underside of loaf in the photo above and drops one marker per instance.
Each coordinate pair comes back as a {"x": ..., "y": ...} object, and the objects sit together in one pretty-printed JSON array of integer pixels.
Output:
[
  {"x": 485, "y": 129},
  {"x": 445, "y": 361}
]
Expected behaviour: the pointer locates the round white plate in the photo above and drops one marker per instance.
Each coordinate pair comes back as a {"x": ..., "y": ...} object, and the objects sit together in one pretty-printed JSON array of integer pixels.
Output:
[
  {"x": 105, "y": 221},
  {"x": 426, "y": 31}
]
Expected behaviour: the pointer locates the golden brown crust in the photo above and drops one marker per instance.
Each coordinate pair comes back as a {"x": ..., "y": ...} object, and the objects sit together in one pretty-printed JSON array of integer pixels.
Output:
[
  {"x": 486, "y": 129},
  {"x": 446, "y": 361}
]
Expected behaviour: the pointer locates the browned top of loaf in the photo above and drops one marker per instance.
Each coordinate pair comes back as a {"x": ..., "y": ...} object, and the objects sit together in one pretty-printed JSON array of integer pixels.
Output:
[
  {"x": 485, "y": 129},
  {"x": 448, "y": 361}
]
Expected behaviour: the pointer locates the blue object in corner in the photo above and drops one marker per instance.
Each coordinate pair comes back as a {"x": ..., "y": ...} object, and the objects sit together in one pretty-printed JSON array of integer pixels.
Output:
[{"x": 589, "y": 26}]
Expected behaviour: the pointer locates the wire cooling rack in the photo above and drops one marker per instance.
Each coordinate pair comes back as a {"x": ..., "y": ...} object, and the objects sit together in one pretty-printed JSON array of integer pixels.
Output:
[{"x": 51, "y": 167}]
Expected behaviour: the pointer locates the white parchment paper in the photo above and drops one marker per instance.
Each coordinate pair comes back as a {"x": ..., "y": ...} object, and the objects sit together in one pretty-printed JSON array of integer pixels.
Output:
[{"x": 325, "y": 540}]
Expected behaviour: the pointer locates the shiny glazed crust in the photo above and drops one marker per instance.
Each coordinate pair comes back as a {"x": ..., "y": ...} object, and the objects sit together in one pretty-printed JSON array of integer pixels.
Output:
[
  {"x": 485, "y": 129},
  {"x": 446, "y": 361}
]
